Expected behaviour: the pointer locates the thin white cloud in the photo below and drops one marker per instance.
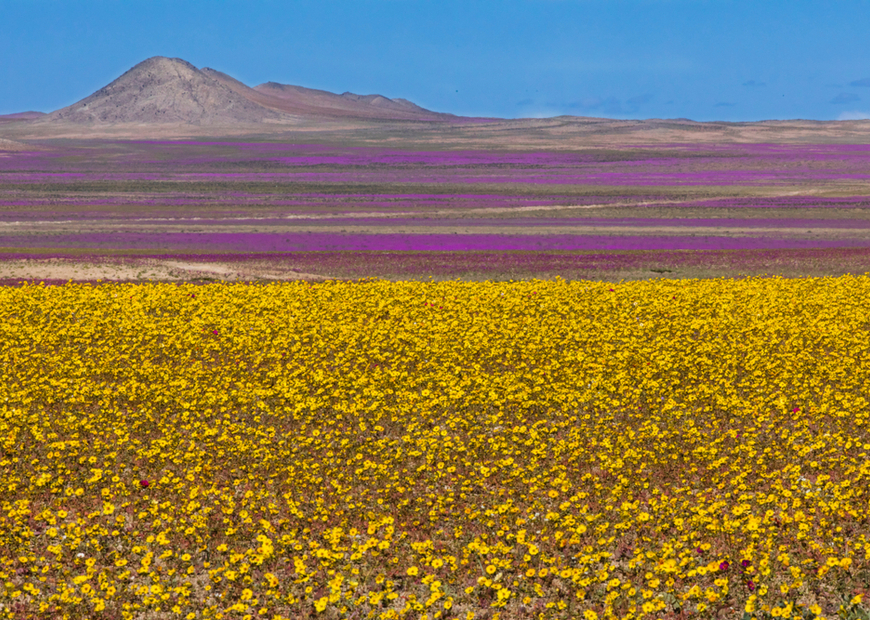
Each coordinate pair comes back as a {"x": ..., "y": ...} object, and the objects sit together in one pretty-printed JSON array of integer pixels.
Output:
[{"x": 854, "y": 116}]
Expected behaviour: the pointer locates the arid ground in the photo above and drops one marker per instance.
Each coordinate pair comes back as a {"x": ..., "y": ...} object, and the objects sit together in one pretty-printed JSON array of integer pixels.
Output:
[
  {"x": 142, "y": 180},
  {"x": 501, "y": 451},
  {"x": 256, "y": 209}
]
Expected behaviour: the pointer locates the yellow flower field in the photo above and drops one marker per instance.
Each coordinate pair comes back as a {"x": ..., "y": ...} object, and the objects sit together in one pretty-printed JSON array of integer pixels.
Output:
[{"x": 461, "y": 450}]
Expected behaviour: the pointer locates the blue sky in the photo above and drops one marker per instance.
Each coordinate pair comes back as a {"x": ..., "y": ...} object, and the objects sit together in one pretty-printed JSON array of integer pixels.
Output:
[{"x": 701, "y": 59}]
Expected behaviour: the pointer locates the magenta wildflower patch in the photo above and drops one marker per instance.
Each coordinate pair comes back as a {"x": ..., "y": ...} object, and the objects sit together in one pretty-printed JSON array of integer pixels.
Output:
[{"x": 213, "y": 197}]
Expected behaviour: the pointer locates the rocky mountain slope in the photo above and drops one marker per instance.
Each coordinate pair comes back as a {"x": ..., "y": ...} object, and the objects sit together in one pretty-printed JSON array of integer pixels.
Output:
[
  {"x": 171, "y": 90},
  {"x": 164, "y": 90}
]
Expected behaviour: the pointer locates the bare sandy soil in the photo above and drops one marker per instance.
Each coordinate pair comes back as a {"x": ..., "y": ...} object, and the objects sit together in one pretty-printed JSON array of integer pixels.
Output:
[
  {"x": 556, "y": 134},
  {"x": 426, "y": 266},
  {"x": 145, "y": 269},
  {"x": 7, "y": 147}
]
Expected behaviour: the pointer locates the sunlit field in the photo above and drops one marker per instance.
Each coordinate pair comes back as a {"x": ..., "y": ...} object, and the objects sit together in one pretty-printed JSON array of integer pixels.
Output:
[{"x": 537, "y": 449}]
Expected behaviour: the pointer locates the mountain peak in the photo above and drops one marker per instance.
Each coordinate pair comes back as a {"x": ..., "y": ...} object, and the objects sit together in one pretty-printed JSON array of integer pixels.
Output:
[
  {"x": 164, "y": 90},
  {"x": 156, "y": 62},
  {"x": 171, "y": 90}
]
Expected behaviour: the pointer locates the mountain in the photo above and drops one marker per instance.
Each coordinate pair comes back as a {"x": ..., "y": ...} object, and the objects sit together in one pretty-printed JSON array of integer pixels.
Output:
[
  {"x": 173, "y": 91},
  {"x": 308, "y": 101},
  {"x": 165, "y": 90}
]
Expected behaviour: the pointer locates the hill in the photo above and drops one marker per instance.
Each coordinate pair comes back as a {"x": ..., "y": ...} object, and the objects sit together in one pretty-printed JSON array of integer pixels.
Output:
[
  {"x": 173, "y": 91},
  {"x": 20, "y": 117},
  {"x": 170, "y": 98},
  {"x": 165, "y": 90}
]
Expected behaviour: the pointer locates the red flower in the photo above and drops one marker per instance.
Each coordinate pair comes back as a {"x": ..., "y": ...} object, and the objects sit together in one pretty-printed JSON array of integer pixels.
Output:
[
  {"x": 144, "y": 483},
  {"x": 724, "y": 565},
  {"x": 214, "y": 331},
  {"x": 745, "y": 563},
  {"x": 751, "y": 585}
]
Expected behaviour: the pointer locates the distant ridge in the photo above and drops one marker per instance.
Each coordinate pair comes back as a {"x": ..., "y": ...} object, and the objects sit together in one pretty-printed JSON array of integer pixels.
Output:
[
  {"x": 163, "y": 90},
  {"x": 20, "y": 116},
  {"x": 305, "y": 101},
  {"x": 169, "y": 98}
]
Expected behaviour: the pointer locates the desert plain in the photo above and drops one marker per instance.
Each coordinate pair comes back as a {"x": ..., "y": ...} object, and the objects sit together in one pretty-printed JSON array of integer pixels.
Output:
[
  {"x": 138, "y": 182},
  {"x": 282, "y": 353}
]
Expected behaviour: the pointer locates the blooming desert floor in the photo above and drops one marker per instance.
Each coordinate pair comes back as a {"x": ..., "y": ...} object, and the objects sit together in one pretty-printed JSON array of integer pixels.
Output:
[
  {"x": 555, "y": 449},
  {"x": 288, "y": 210},
  {"x": 465, "y": 371}
]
